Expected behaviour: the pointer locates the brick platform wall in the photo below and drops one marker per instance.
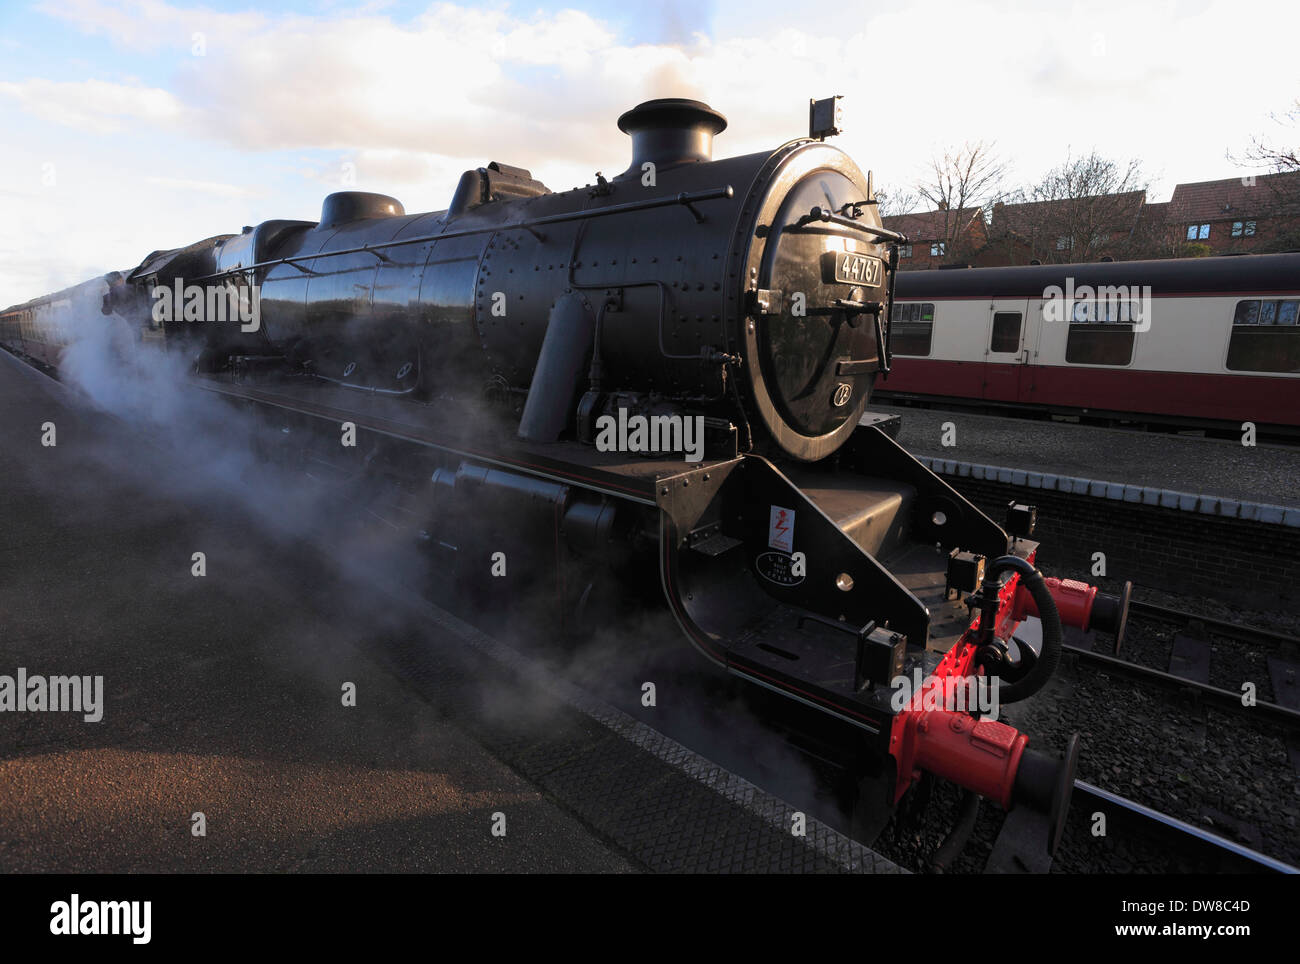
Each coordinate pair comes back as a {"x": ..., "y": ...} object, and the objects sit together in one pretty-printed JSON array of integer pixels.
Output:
[{"x": 1234, "y": 560}]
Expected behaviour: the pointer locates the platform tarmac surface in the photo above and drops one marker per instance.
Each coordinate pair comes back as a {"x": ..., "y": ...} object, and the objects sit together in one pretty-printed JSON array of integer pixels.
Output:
[
  {"x": 222, "y": 694},
  {"x": 1263, "y": 473}
]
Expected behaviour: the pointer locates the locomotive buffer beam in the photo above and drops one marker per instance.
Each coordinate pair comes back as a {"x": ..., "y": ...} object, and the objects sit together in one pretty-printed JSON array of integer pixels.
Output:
[{"x": 796, "y": 602}]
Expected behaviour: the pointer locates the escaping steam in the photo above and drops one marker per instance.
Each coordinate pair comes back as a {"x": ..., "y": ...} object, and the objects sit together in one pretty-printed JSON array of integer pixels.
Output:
[{"x": 195, "y": 446}]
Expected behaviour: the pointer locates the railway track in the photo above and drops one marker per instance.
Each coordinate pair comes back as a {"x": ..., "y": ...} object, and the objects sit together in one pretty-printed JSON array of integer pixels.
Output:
[
  {"x": 1227, "y": 700},
  {"x": 1188, "y": 662},
  {"x": 1192, "y": 843},
  {"x": 1184, "y": 842},
  {"x": 1205, "y": 847},
  {"x": 1220, "y": 627},
  {"x": 1195, "y": 844}
]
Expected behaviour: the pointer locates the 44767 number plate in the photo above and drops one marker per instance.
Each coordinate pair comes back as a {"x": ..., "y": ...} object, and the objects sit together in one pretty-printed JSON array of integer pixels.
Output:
[{"x": 857, "y": 269}]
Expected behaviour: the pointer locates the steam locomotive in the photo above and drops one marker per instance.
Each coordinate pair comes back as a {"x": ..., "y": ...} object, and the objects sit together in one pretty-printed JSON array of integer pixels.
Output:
[{"x": 490, "y": 357}]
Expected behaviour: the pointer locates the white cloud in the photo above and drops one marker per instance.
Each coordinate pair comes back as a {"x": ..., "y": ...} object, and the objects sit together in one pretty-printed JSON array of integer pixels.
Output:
[
  {"x": 96, "y": 106},
  {"x": 544, "y": 89},
  {"x": 149, "y": 25},
  {"x": 187, "y": 186},
  {"x": 413, "y": 103}
]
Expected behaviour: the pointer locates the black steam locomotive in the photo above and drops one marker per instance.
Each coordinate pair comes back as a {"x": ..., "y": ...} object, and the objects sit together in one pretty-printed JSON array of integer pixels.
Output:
[{"x": 658, "y": 380}]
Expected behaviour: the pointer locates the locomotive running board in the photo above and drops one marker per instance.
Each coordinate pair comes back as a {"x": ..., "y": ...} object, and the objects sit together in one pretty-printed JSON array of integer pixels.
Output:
[{"x": 629, "y": 477}]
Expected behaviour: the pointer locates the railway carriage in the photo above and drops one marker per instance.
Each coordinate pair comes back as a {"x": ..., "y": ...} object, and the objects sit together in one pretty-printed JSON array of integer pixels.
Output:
[{"x": 1208, "y": 342}]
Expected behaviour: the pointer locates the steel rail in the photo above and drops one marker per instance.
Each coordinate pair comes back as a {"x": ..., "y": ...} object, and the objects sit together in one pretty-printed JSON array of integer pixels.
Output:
[
  {"x": 1242, "y": 858},
  {"x": 1223, "y": 699},
  {"x": 1218, "y": 626}
]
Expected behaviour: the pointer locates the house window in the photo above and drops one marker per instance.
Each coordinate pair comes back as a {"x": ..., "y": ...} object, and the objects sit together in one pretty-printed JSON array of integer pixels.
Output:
[
  {"x": 910, "y": 328},
  {"x": 1265, "y": 337},
  {"x": 938, "y": 249},
  {"x": 1243, "y": 229},
  {"x": 1062, "y": 244},
  {"x": 904, "y": 250},
  {"x": 1198, "y": 232}
]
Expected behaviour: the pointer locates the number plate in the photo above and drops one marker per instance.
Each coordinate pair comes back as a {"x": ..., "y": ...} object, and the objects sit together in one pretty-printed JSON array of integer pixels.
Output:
[{"x": 857, "y": 269}]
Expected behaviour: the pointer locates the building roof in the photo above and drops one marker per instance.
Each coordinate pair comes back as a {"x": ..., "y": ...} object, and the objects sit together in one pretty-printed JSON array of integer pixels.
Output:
[
  {"x": 932, "y": 225},
  {"x": 1232, "y": 197},
  {"x": 1031, "y": 217}
]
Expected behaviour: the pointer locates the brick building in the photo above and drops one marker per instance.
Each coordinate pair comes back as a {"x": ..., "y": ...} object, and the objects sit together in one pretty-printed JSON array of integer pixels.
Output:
[
  {"x": 939, "y": 237},
  {"x": 1236, "y": 215},
  {"x": 1231, "y": 216},
  {"x": 1064, "y": 231}
]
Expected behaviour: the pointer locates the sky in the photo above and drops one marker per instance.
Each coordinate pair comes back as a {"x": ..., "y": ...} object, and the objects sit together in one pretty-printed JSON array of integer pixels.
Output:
[{"x": 135, "y": 125}]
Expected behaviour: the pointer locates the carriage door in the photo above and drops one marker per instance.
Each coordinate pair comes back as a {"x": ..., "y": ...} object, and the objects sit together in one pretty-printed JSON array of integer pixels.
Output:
[{"x": 1006, "y": 351}]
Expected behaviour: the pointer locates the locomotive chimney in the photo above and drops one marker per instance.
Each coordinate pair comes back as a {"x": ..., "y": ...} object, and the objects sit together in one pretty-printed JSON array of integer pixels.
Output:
[{"x": 670, "y": 131}]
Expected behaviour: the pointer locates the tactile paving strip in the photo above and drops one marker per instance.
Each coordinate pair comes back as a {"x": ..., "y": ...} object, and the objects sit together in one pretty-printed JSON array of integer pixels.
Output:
[
  {"x": 1119, "y": 491},
  {"x": 662, "y": 804}
]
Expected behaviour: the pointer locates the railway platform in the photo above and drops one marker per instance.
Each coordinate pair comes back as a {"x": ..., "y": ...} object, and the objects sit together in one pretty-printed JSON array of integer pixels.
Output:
[
  {"x": 1204, "y": 476},
  {"x": 278, "y": 714}
]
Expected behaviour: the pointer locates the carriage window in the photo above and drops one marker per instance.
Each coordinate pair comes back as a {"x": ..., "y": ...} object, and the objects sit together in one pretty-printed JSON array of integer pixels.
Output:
[
  {"x": 1107, "y": 312},
  {"x": 910, "y": 328},
  {"x": 1099, "y": 343},
  {"x": 1247, "y": 313},
  {"x": 1265, "y": 337},
  {"x": 1006, "y": 332}
]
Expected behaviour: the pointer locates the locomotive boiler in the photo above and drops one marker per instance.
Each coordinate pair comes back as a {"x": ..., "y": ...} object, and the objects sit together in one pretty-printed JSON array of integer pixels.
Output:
[{"x": 477, "y": 352}]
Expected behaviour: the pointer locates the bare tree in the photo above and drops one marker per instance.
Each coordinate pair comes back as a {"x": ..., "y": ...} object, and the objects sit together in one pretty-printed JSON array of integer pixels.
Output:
[
  {"x": 1088, "y": 206},
  {"x": 896, "y": 201},
  {"x": 1270, "y": 157},
  {"x": 1280, "y": 199},
  {"x": 1158, "y": 237},
  {"x": 961, "y": 182}
]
